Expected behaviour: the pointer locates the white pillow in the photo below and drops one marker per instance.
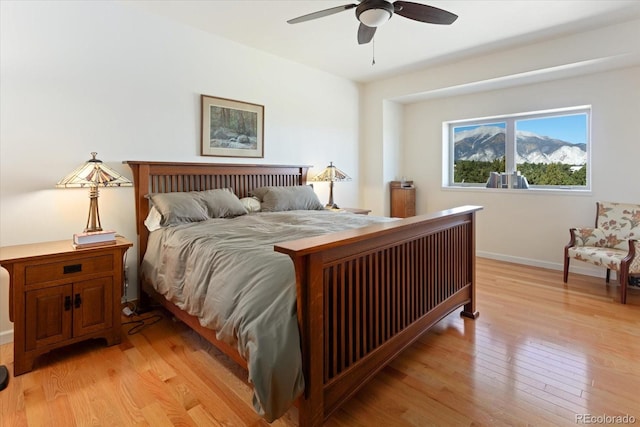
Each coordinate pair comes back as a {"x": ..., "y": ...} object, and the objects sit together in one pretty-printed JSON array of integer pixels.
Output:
[
  {"x": 251, "y": 204},
  {"x": 153, "y": 220}
]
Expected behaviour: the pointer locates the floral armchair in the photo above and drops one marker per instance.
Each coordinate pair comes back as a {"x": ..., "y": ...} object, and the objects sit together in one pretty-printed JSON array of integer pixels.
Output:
[{"x": 613, "y": 243}]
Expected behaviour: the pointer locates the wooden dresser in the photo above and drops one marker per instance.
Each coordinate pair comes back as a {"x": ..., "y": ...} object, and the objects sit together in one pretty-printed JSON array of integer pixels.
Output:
[
  {"x": 403, "y": 199},
  {"x": 59, "y": 295}
]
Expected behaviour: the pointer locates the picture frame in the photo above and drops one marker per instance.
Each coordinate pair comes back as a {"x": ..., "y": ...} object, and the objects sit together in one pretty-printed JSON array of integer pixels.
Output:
[{"x": 231, "y": 128}]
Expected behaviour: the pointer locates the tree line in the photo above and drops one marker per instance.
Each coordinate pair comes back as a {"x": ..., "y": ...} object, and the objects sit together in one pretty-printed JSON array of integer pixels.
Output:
[{"x": 473, "y": 171}]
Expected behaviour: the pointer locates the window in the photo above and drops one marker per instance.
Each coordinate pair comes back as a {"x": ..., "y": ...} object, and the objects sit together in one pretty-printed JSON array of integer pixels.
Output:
[{"x": 544, "y": 150}]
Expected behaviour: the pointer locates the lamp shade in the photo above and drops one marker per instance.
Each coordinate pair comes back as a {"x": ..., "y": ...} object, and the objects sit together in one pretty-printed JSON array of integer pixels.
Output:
[
  {"x": 374, "y": 13},
  {"x": 374, "y": 17},
  {"x": 331, "y": 174},
  {"x": 93, "y": 174}
]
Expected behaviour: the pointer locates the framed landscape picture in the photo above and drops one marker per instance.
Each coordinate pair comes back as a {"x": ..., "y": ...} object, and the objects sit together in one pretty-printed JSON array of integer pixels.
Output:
[{"x": 232, "y": 128}]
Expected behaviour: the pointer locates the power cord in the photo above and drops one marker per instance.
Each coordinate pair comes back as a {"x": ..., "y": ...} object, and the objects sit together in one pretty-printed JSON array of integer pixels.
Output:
[{"x": 142, "y": 322}]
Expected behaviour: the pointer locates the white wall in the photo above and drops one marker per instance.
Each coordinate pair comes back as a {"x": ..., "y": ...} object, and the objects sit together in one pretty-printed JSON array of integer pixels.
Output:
[
  {"x": 392, "y": 154},
  {"x": 78, "y": 77},
  {"x": 532, "y": 227},
  {"x": 599, "y": 68}
]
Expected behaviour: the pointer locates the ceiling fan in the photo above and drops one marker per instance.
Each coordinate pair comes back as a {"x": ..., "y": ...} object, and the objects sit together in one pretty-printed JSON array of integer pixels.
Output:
[{"x": 373, "y": 13}]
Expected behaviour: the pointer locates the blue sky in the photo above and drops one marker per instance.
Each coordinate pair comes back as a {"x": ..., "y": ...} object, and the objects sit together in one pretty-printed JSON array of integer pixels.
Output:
[{"x": 572, "y": 128}]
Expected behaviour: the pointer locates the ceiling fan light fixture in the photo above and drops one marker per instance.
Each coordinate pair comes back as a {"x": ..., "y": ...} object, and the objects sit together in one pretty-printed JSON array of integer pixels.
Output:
[
  {"x": 373, "y": 13},
  {"x": 374, "y": 17}
]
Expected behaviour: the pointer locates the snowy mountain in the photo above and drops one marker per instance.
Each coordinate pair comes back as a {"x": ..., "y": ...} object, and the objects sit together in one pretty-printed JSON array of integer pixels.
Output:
[{"x": 487, "y": 143}]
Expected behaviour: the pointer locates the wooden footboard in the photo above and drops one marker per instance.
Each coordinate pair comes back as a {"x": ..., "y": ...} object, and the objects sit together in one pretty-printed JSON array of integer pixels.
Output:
[{"x": 366, "y": 294}]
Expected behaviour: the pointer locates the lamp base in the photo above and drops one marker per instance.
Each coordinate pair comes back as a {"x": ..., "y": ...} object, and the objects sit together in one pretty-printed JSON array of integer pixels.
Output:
[
  {"x": 331, "y": 206},
  {"x": 93, "y": 220}
]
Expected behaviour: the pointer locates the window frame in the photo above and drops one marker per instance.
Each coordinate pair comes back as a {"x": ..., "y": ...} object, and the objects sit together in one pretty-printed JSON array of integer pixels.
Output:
[{"x": 510, "y": 148}]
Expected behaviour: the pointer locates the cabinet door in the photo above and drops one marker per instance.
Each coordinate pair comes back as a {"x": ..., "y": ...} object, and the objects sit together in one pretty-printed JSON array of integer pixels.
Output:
[
  {"x": 48, "y": 316},
  {"x": 92, "y": 305}
]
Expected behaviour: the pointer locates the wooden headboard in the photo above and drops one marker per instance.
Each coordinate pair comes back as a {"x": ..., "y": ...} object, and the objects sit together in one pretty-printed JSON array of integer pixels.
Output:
[{"x": 166, "y": 177}]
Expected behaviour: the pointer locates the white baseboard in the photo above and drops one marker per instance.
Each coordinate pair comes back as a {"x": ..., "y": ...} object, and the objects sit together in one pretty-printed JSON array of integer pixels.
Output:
[
  {"x": 574, "y": 267},
  {"x": 6, "y": 336}
]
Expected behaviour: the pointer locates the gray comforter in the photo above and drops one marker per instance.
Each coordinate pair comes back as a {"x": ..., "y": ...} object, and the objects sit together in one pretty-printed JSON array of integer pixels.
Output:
[{"x": 225, "y": 272}]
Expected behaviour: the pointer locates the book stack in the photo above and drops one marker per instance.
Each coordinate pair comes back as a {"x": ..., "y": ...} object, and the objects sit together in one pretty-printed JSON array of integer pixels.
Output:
[{"x": 93, "y": 239}]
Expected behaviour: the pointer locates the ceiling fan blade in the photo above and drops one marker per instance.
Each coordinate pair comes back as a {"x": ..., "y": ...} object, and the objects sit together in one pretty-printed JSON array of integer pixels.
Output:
[
  {"x": 365, "y": 34},
  {"x": 424, "y": 13},
  {"x": 321, "y": 13}
]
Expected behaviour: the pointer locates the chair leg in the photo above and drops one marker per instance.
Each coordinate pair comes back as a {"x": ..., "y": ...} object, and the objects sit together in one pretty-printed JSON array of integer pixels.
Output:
[
  {"x": 608, "y": 274},
  {"x": 566, "y": 268},
  {"x": 624, "y": 280}
]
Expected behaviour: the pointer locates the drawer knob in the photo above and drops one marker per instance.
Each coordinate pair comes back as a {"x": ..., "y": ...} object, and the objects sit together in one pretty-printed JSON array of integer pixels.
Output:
[
  {"x": 67, "y": 303},
  {"x": 77, "y": 301},
  {"x": 74, "y": 268}
]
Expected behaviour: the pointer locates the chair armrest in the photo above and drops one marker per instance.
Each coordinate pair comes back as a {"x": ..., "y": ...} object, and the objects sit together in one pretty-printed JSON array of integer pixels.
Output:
[
  {"x": 633, "y": 257},
  {"x": 588, "y": 236}
]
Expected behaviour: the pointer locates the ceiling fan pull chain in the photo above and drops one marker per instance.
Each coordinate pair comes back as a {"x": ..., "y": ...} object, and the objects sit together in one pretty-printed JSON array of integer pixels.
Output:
[{"x": 373, "y": 54}]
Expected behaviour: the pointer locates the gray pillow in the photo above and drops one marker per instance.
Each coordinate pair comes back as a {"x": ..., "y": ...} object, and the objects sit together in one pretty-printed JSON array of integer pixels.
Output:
[
  {"x": 222, "y": 203},
  {"x": 179, "y": 208},
  {"x": 259, "y": 193},
  {"x": 276, "y": 199}
]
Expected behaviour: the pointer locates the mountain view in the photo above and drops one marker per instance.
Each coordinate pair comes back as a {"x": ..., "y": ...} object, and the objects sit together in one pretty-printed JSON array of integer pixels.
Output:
[{"x": 487, "y": 143}]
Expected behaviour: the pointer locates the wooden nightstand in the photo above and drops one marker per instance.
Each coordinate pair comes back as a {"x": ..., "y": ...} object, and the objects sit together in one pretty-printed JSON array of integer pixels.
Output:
[
  {"x": 59, "y": 295},
  {"x": 403, "y": 199}
]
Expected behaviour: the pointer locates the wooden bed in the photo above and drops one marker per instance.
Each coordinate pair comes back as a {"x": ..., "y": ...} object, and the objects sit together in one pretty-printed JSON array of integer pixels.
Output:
[{"x": 363, "y": 295}]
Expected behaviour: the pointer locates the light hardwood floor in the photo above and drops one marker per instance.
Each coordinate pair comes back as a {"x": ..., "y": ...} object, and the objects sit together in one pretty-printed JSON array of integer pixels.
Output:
[{"x": 541, "y": 353}]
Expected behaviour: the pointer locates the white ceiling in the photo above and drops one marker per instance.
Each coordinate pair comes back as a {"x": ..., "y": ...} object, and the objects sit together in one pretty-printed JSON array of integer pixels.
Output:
[{"x": 401, "y": 44}]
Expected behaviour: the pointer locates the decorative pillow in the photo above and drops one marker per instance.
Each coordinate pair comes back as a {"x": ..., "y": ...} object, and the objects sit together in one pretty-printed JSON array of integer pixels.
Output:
[
  {"x": 222, "y": 203},
  {"x": 251, "y": 204},
  {"x": 301, "y": 197},
  {"x": 179, "y": 208},
  {"x": 153, "y": 220}
]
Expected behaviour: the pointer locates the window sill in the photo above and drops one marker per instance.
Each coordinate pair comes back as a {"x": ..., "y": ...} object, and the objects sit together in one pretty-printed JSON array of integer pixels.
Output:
[{"x": 536, "y": 191}]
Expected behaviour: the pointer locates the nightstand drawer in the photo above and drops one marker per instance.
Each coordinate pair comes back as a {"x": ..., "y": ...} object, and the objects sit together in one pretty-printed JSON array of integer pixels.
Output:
[{"x": 41, "y": 273}]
